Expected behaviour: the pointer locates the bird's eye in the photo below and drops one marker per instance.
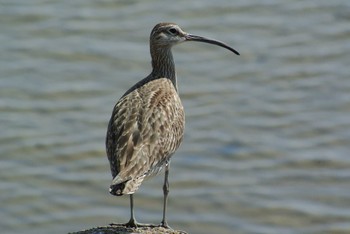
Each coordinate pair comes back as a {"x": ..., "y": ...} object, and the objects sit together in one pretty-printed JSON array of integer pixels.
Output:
[{"x": 173, "y": 31}]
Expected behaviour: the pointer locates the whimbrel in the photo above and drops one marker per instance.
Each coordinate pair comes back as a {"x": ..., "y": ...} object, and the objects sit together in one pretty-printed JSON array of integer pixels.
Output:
[{"x": 147, "y": 123}]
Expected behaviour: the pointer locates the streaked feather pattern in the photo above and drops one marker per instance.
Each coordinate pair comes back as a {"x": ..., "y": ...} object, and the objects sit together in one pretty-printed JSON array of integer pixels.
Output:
[{"x": 145, "y": 129}]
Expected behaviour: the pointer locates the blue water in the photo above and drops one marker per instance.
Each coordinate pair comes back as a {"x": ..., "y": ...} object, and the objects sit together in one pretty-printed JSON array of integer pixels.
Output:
[{"x": 266, "y": 148}]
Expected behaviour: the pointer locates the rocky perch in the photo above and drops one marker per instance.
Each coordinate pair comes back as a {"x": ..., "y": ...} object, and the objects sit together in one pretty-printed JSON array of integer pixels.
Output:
[{"x": 122, "y": 229}]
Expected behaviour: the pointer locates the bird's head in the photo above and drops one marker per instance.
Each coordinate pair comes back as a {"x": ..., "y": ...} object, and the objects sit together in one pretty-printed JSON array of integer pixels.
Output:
[{"x": 169, "y": 34}]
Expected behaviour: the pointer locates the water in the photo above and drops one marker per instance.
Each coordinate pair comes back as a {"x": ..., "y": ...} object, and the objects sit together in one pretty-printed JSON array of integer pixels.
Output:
[{"x": 267, "y": 138}]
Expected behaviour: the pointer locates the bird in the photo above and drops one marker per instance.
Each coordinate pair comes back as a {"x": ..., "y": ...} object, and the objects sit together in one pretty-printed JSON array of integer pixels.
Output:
[{"x": 147, "y": 123}]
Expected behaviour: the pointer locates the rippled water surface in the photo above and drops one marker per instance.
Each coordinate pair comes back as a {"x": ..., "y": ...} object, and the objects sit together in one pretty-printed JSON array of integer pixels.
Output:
[{"x": 267, "y": 143}]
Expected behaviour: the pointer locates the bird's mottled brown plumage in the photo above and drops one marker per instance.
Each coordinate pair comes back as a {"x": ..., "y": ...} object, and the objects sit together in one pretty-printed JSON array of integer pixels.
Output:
[
  {"x": 146, "y": 128},
  {"x": 147, "y": 123}
]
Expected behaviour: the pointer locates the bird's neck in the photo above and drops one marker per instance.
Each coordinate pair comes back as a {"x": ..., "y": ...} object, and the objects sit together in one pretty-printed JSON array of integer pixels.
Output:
[{"x": 163, "y": 64}]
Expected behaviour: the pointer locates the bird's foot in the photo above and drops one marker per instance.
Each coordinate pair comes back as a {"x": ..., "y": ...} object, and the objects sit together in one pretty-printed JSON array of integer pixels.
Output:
[
  {"x": 164, "y": 224},
  {"x": 134, "y": 224}
]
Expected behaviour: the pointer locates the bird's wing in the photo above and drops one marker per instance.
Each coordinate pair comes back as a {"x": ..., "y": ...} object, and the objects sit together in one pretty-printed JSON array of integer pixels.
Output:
[
  {"x": 145, "y": 129},
  {"x": 123, "y": 134}
]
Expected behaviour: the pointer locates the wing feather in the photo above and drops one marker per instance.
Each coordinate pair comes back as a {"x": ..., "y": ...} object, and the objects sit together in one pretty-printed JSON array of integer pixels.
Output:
[{"x": 145, "y": 129}]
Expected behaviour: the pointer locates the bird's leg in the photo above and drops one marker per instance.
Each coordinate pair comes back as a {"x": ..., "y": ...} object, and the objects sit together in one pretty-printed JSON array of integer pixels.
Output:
[
  {"x": 164, "y": 222},
  {"x": 132, "y": 222}
]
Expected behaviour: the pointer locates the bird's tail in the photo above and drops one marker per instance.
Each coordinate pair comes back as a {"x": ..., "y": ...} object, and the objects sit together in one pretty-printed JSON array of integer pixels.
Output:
[
  {"x": 117, "y": 189},
  {"x": 126, "y": 187}
]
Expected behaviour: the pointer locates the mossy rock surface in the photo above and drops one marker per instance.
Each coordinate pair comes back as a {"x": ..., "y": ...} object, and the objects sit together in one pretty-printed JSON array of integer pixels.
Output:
[{"x": 122, "y": 229}]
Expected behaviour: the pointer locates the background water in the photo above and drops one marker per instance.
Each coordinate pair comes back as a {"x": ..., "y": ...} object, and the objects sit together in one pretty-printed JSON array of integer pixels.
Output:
[{"x": 266, "y": 148}]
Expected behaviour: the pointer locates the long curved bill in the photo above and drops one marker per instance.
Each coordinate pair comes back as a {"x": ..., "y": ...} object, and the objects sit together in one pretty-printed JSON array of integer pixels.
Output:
[{"x": 191, "y": 37}]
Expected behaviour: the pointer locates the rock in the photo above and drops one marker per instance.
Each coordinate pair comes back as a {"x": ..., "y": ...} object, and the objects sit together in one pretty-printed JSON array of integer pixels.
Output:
[{"x": 122, "y": 229}]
